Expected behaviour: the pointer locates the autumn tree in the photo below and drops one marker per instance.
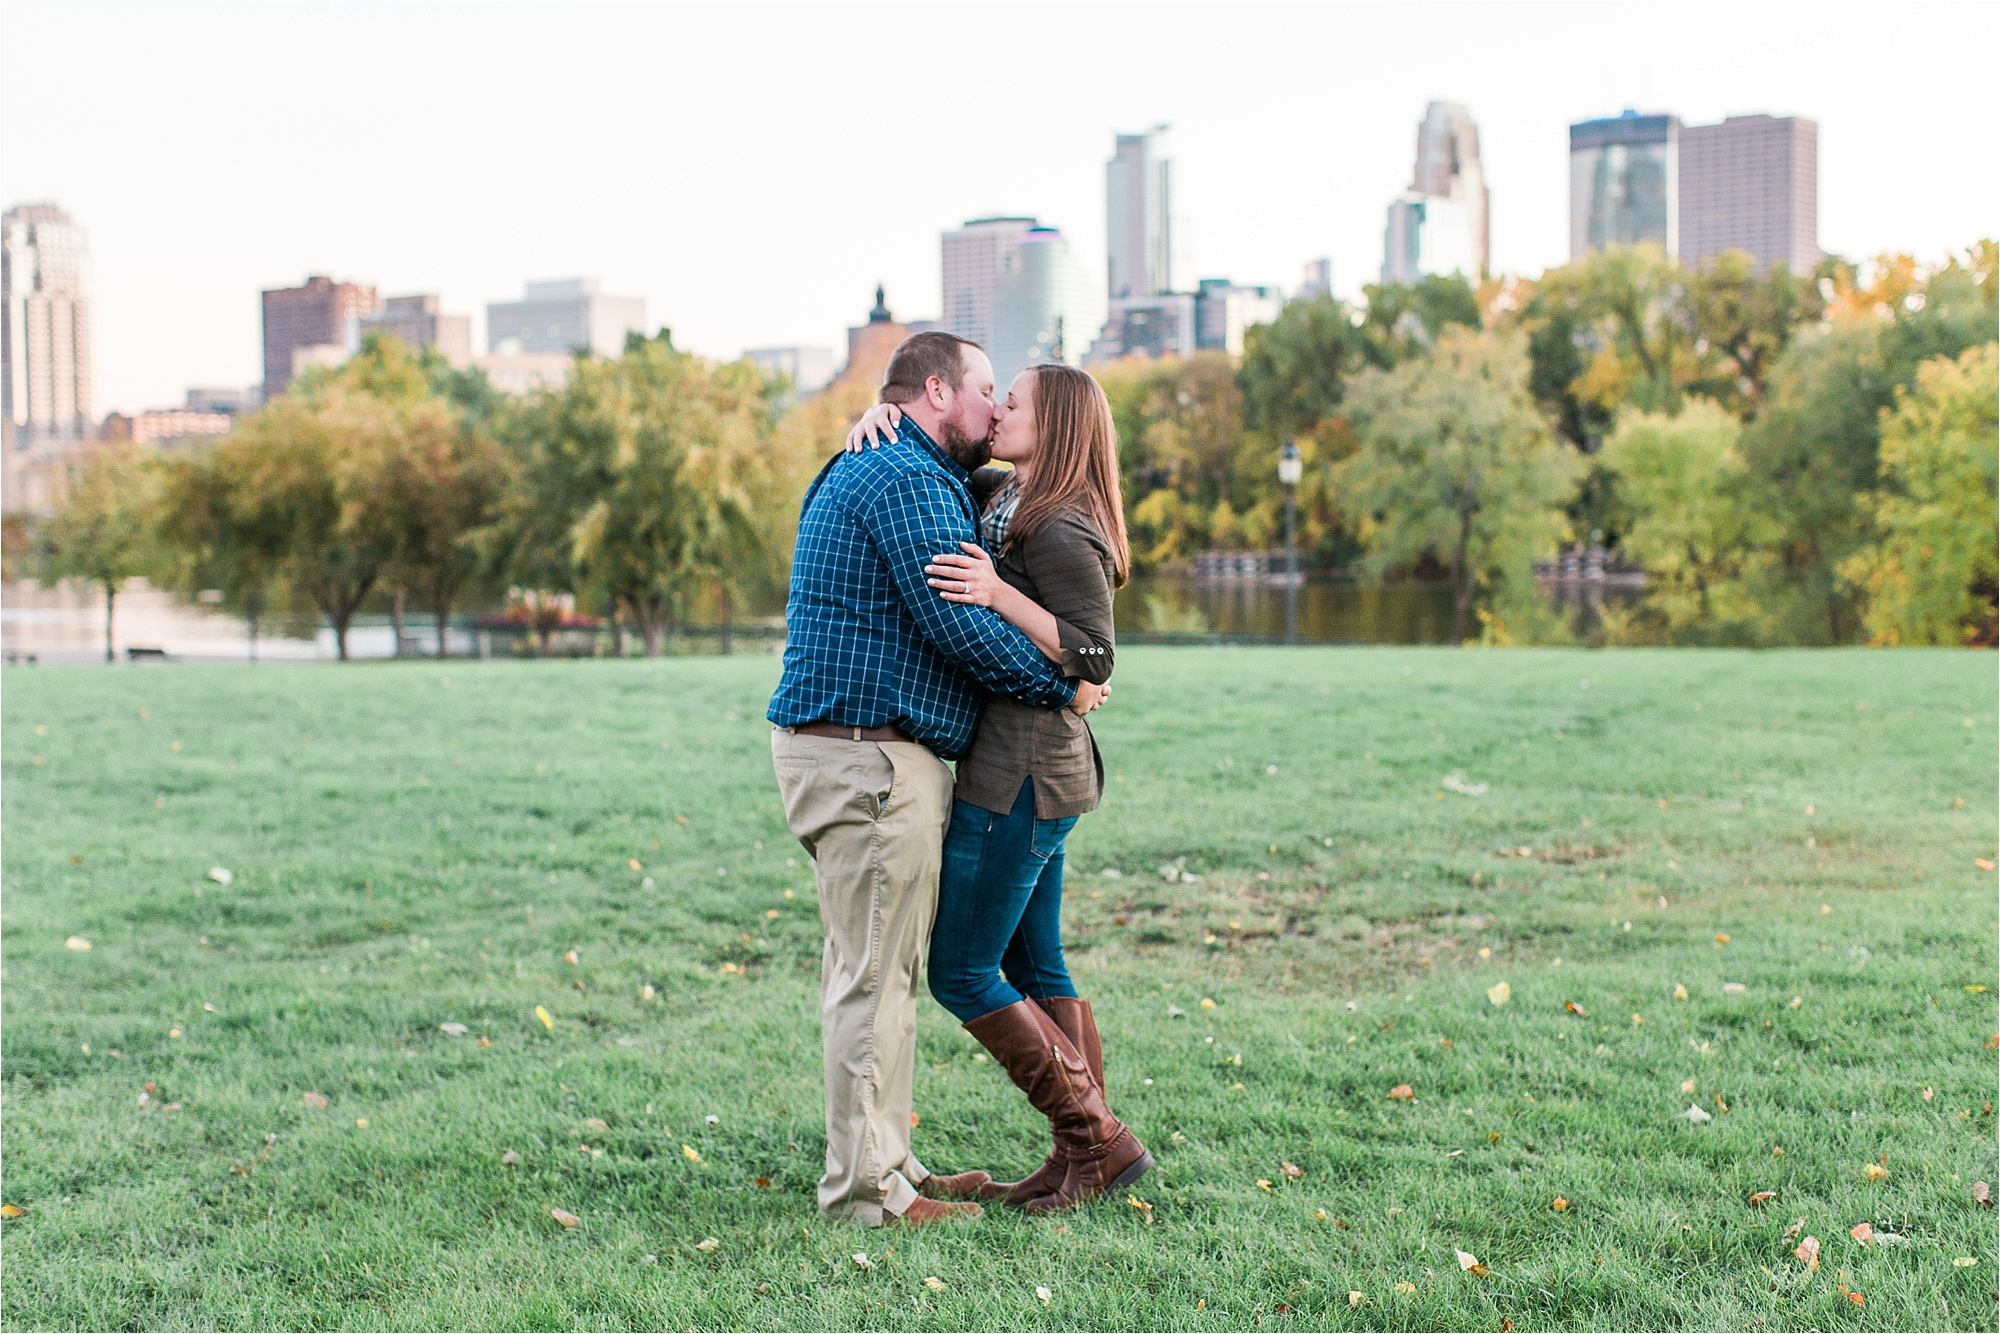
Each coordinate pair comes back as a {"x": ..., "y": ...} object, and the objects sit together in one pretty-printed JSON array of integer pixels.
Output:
[
  {"x": 1456, "y": 463},
  {"x": 1929, "y": 576},
  {"x": 103, "y": 529}
]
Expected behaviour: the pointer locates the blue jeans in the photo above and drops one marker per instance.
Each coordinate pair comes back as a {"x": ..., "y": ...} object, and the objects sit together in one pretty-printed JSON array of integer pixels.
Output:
[{"x": 999, "y": 909}]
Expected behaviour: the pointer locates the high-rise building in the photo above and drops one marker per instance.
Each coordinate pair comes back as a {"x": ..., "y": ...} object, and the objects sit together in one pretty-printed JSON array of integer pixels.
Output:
[
  {"x": 808, "y": 367},
  {"x": 1752, "y": 184},
  {"x": 562, "y": 316},
  {"x": 1223, "y": 310},
  {"x": 1624, "y": 183},
  {"x": 1138, "y": 205},
  {"x": 45, "y": 336},
  {"x": 1042, "y": 306},
  {"x": 870, "y": 345},
  {"x": 417, "y": 321},
  {"x": 1448, "y": 167},
  {"x": 1315, "y": 280},
  {"x": 974, "y": 256},
  {"x": 317, "y": 324},
  {"x": 1427, "y": 236}
]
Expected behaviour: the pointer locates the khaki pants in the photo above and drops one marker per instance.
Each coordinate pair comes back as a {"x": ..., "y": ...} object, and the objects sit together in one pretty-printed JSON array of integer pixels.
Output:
[{"x": 872, "y": 816}]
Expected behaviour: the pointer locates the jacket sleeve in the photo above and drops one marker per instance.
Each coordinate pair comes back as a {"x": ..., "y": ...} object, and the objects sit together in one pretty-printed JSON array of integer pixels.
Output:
[
  {"x": 1070, "y": 568},
  {"x": 919, "y": 518}
]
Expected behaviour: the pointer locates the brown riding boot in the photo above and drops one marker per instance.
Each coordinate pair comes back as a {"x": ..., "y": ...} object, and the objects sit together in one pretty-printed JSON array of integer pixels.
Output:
[
  {"x": 965, "y": 1186},
  {"x": 1099, "y": 1153},
  {"x": 1073, "y": 1017}
]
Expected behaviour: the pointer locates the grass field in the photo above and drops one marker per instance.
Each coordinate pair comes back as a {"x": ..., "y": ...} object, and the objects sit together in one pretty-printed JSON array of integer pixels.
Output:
[{"x": 1789, "y": 839}]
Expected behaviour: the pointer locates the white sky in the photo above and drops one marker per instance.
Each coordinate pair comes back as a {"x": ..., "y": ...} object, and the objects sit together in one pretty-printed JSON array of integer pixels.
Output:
[{"x": 752, "y": 170}]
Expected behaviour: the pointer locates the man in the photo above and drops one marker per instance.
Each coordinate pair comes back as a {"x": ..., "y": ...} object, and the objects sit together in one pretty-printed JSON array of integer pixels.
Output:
[{"x": 883, "y": 682}]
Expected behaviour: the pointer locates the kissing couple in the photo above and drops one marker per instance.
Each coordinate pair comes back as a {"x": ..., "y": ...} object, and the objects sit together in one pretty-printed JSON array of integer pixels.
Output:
[{"x": 942, "y": 610}]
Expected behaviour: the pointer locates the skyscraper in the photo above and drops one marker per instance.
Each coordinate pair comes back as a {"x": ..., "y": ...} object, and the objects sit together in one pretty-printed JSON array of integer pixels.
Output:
[
  {"x": 1751, "y": 183},
  {"x": 1138, "y": 204},
  {"x": 1223, "y": 310},
  {"x": 974, "y": 257},
  {"x": 1042, "y": 307},
  {"x": 314, "y": 324},
  {"x": 563, "y": 315},
  {"x": 417, "y": 321},
  {"x": 1427, "y": 235},
  {"x": 45, "y": 336},
  {"x": 1448, "y": 167},
  {"x": 1624, "y": 183}
]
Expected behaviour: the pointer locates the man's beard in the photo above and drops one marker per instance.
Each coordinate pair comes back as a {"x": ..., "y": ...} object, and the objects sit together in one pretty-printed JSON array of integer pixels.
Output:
[{"x": 969, "y": 454}]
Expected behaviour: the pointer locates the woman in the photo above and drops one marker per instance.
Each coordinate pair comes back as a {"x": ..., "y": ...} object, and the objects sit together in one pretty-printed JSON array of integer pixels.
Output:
[{"x": 1056, "y": 528}]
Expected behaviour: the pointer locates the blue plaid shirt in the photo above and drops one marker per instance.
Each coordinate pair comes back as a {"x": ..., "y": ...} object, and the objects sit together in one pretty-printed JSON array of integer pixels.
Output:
[{"x": 868, "y": 641}]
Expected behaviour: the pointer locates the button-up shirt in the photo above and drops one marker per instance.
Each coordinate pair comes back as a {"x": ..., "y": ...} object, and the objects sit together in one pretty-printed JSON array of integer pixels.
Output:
[{"x": 868, "y": 641}]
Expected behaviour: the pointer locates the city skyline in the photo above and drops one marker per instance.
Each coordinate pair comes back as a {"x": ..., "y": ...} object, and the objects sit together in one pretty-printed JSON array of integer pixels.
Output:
[{"x": 708, "y": 225}]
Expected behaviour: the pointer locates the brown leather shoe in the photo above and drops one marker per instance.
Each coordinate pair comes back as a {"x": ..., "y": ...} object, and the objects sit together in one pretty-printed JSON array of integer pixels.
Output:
[
  {"x": 1100, "y": 1154},
  {"x": 923, "y": 1212},
  {"x": 1072, "y": 1015},
  {"x": 965, "y": 1186}
]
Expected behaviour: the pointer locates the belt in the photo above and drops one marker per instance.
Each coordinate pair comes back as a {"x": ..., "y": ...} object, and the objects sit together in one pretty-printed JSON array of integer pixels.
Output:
[{"x": 889, "y": 733}]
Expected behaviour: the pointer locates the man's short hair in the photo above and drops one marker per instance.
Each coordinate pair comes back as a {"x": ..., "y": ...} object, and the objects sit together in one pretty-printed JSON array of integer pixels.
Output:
[{"x": 919, "y": 357}]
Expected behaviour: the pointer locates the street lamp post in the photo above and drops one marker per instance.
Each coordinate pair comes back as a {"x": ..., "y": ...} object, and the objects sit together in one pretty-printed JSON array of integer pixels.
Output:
[{"x": 1290, "y": 469}]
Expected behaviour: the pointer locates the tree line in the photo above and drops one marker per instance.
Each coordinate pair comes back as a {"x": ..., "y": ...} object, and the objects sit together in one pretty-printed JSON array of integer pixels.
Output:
[{"x": 1791, "y": 459}]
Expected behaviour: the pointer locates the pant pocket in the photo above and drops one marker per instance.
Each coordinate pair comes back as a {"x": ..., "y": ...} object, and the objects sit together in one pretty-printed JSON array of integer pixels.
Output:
[{"x": 1047, "y": 840}]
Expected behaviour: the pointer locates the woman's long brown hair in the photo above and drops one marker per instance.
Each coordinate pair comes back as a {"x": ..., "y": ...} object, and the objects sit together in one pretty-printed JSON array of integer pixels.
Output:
[{"x": 1076, "y": 461}]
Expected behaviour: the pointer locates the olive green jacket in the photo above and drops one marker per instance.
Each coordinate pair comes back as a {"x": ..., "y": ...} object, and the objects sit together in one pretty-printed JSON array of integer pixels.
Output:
[{"x": 1066, "y": 567}]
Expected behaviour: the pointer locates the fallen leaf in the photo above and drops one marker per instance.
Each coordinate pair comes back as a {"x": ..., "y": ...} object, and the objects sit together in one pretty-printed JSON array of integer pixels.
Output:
[
  {"x": 1560, "y": 1205},
  {"x": 548, "y": 1020},
  {"x": 219, "y": 874},
  {"x": 452, "y": 1030},
  {"x": 1455, "y": 1153},
  {"x": 173, "y": 1032},
  {"x": 1263, "y": 1185},
  {"x": 145, "y": 1098},
  {"x": 1962, "y": 1262},
  {"x": 1695, "y": 1114},
  {"x": 510, "y": 1159},
  {"x": 647, "y": 993},
  {"x": 1928, "y": 1094},
  {"x": 565, "y": 1217},
  {"x": 361, "y": 1123},
  {"x": 1044, "y": 1294},
  {"x": 76, "y": 943},
  {"x": 1175, "y": 1012},
  {"x": 1854, "y": 1297},
  {"x": 1687, "y": 1086},
  {"x": 687, "y": 1152},
  {"x": 1207, "y": 1004},
  {"x": 570, "y": 957},
  {"x": 1680, "y": 991},
  {"x": 1793, "y": 1230},
  {"x": 935, "y": 1284},
  {"x": 1291, "y": 1170},
  {"x": 1722, "y": 937},
  {"x": 315, "y": 1100},
  {"x": 12, "y": 1211},
  {"x": 1982, "y": 863},
  {"x": 634, "y": 864},
  {"x": 1974, "y": 990},
  {"x": 1891, "y": 1239},
  {"x": 485, "y": 1042},
  {"x": 1862, "y": 1232},
  {"x": 1402, "y": 1093},
  {"x": 762, "y": 1183},
  {"x": 914, "y": 1119},
  {"x": 1808, "y": 1252},
  {"x": 1499, "y": 993},
  {"x": 150, "y": 1086},
  {"x": 708, "y": 1245},
  {"x": 1406, "y": 1289},
  {"x": 1637, "y": 1020},
  {"x": 1982, "y": 1194},
  {"x": 1355, "y": 1298},
  {"x": 1873, "y": 1172},
  {"x": 1796, "y": 1002},
  {"x": 714, "y": 1120},
  {"x": 1734, "y": 988},
  {"x": 1470, "y": 1263},
  {"x": 595, "y": 1123},
  {"x": 1763, "y": 1197},
  {"x": 1576, "y": 1009}
]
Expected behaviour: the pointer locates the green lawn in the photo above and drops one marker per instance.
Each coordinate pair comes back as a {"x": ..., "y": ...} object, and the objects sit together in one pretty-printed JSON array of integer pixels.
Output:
[{"x": 1790, "y": 837}]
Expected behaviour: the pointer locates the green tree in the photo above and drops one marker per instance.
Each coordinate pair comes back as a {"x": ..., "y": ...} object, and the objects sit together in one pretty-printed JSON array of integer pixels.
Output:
[
  {"x": 219, "y": 534},
  {"x": 1604, "y": 333},
  {"x": 1456, "y": 464},
  {"x": 1929, "y": 577},
  {"x": 1741, "y": 323},
  {"x": 1686, "y": 517},
  {"x": 1296, "y": 369},
  {"x": 1814, "y": 449},
  {"x": 103, "y": 528},
  {"x": 1405, "y": 321}
]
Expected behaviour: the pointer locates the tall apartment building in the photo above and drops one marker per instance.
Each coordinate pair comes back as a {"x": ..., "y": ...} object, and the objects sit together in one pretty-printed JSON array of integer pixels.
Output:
[
  {"x": 417, "y": 321},
  {"x": 1042, "y": 305},
  {"x": 1138, "y": 205},
  {"x": 1624, "y": 183},
  {"x": 809, "y": 368},
  {"x": 563, "y": 315},
  {"x": 45, "y": 334},
  {"x": 1752, "y": 184},
  {"x": 1315, "y": 280},
  {"x": 974, "y": 257},
  {"x": 1426, "y": 236},
  {"x": 1448, "y": 167},
  {"x": 319, "y": 323}
]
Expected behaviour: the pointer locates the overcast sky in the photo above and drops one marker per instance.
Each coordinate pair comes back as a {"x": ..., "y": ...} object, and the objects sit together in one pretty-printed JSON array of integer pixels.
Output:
[{"x": 753, "y": 170}]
